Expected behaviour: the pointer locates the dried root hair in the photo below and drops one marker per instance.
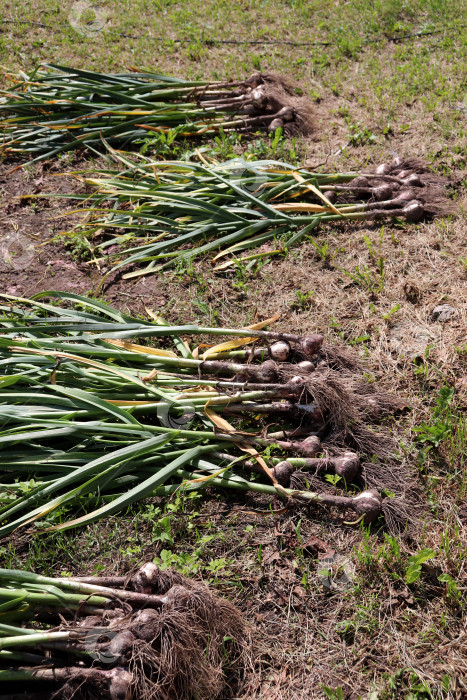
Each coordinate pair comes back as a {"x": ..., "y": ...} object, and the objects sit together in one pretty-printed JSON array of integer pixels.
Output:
[
  {"x": 303, "y": 122},
  {"x": 174, "y": 664},
  {"x": 344, "y": 412},
  {"x": 181, "y": 654},
  {"x": 402, "y": 516},
  {"x": 376, "y": 402},
  {"x": 279, "y": 83},
  {"x": 337, "y": 357},
  {"x": 415, "y": 164},
  {"x": 403, "y": 507},
  {"x": 390, "y": 474},
  {"x": 341, "y": 358},
  {"x": 161, "y": 581},
  {"x": 281, "y": 92}
]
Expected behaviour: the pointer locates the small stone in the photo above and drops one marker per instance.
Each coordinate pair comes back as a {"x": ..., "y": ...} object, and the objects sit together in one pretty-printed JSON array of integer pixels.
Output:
[
  {"x": 443, "y": 313},
  {"x": 409, "y": 338},
  {"x": 336, "y": 572}
]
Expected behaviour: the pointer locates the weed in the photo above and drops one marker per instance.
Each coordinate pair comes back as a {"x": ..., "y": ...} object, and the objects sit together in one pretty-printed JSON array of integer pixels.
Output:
[
  {"x": 430, "y": 435},
  {"x": 276, "y": 140},
  {"x": 324, "y": 252},
  {"x": 392, "y": 311},
  {"x": 225, "y": 144},
  {"x": 303, "y": 300},
  {"x": 333, "y": 479},
  {"x": 77, "y": 244},
  {"x": 360, "y": 135},
  {"x": 337, "y": 694},
  {"x": 453, "y": 592},
  {"x": 406, "y": 684},
  {"x": 364, "y": 277},
  {"x": 414, "y": 567},
  {"x": 163, "y": 144}
]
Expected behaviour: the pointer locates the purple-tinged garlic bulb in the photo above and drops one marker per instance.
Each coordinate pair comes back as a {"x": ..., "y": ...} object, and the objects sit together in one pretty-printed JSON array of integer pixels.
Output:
[
  {"x": 360, "y": 181},
  {"x": 311, "y": 344},
  {"x": 412, "y": 181},
  {"x": 347, "y": 465},
  {"x": 405, "y": 196},
  {"x": 286, "y": 114},
  {"x": 283, "y": 472},
  {"x": 369, "y": 504},
  {"x": 120, "y": 684},
  {"x": 297, "y": 382},
  {"x": 413, "y": 211},
  {"x": 382, "y": 192},
  {"x": 275, "y": 124},
  {"x": 310, "y": 446},
  {"x": 146, "y": 578}
]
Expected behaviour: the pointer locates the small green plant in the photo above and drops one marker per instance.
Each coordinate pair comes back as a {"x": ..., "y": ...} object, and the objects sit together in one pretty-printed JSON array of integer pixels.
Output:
[
  {"x": 333, "y": 479},
  {"x": 216, "y": 565},
  {"x": 430, "y": 435},
  {"x": 359, "y": 340},
  {"x": 162, "y": 530},
  {"x": 446, "y": 682},
  {"x": 391, "y": 551},
  {"x": 453, "y": 592},
  {"x": 324, "y": 252},
  {"x": 337, "y": 694},
  {"x": 406, "y": 684},
  {"x": 360, "y": 135},
  {"x": 371, "y": 280},
  {"x": 205, "y": 308},
  {"x": 276, "y": 139},
  {"x": 365, "y": 553},
  {"x": 298, "y": 531},
  {"x": 190, "y": 563},
  {"x": 163, "y": 143},
  {"x": 247, "y": 266},
  {"x": 322, "y": 249},
  {"x": 346, "y": 629},
  {"x": 392, "y": 311},
  {"x": 303, "y": 299},
  {"x": 424, "y": 368},
  {"x": 76, "y": 242},
  {"x": 225, "y": 144},
  {"x": 414, "y": 568}
]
